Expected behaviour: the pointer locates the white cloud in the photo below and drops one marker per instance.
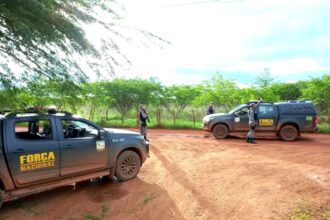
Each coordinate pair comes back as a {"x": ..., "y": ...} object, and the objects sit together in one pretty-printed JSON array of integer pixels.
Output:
[{"x": 217, "y": 36}]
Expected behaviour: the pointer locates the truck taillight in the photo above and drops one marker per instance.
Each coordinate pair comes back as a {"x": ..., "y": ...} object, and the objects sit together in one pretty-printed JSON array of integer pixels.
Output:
[{"x": 314, "y": 121}]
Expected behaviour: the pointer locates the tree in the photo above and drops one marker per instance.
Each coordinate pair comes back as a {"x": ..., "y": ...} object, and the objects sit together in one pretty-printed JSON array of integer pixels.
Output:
[
  {"x": 121, "y": 93},
  {"x": 287, "y": 91},
  {"x": 127, "y": 94},
  {"x": 222, "y": 92},
  {"x": 318, "y": 90},
  {"x": 95, "y": 97},
  {"x": 264, "y": 79},
  {"x": 176, "y": 98},
  {"x": 47, "y": 38}
]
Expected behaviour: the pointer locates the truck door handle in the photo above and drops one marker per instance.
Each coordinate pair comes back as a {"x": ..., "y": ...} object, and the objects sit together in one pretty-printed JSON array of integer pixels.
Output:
[
  {"x": 68, "y": 147},
  {"x": 19, "y": 150}
]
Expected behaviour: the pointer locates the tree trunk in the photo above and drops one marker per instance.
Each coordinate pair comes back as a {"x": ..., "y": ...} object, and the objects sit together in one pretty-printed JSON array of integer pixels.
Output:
[
  {"x": 194, "y": 119},
  {"x": 90, "y": 113},
  {"x": 137, "y": 119},
  {"x": 106, "y": 114},
  {"x": 122, "y": 119},
  {"x": 174, "y": 118},
  {"x": 158, "y": 118}
]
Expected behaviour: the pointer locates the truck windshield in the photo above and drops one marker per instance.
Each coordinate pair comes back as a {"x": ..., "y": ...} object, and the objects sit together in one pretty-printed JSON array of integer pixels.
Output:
[{"x": 237, "y": 108}]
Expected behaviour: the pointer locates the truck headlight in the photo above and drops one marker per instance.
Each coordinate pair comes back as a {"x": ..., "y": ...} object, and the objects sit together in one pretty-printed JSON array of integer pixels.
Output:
[{"x": 206, "y": 119}]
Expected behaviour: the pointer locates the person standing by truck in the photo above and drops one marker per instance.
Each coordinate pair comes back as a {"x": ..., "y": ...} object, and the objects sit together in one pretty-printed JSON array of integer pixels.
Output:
[
  {"x": 253, "y": 118},
  {"x": 143, "y": 116},
  {"x": 210, "y": 110}
]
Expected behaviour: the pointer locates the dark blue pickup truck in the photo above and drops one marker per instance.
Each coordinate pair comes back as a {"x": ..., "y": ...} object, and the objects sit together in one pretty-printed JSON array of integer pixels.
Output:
[
  {"x": 39, "y": 152},
  {"x": 287, "y": 119}
]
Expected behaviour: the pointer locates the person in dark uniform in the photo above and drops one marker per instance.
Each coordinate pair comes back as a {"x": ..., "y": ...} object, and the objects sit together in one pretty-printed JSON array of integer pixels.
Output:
[
  {"x": 143, "y": 116},
  {"x": 210, "y": 110},
  {"x": 253, "y": 118}
]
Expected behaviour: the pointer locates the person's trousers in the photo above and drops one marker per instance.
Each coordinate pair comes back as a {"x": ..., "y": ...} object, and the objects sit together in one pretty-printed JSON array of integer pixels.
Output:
[
  {"x": 251, "y": 131},
  {"x": 143, "y": 129}
]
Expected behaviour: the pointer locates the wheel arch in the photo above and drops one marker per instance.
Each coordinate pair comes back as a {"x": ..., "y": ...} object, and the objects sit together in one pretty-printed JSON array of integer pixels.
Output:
[
  {"x": 289, "y": 123},
  {"x": 136, "y": 150},
  {"x": 224, "y": 123}
]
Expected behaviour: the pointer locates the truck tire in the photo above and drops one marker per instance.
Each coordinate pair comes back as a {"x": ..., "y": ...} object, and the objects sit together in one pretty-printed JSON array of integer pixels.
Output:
[
  {"x": 288, "y": 133},
  {"x": 220, "y": 131},
  {"x": 128, "y": 165}
]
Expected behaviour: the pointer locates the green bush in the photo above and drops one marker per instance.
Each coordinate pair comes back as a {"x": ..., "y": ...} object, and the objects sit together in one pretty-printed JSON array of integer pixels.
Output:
[
  {"x": 168, "y": 124},
  {"x": 324, "y": 128}
]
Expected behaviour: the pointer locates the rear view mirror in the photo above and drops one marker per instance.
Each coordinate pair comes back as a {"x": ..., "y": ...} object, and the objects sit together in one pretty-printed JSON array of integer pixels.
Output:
[{"x": 101, "y": 134}]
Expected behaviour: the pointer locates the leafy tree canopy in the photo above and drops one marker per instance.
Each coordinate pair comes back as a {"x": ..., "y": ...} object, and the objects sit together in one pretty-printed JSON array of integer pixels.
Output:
[{"x": 47, "y": 38}]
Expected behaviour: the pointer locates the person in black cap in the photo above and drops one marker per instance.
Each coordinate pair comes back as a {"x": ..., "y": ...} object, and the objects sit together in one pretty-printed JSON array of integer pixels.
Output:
[
  {"x": 252, "y": 122},
  {"x": 143, "y": 116},
  {"x": 210, "y": 109}
]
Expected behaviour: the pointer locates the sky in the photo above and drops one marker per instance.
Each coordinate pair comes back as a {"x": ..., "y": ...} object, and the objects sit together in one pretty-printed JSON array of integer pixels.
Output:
[{"x": 237, "y": 38}]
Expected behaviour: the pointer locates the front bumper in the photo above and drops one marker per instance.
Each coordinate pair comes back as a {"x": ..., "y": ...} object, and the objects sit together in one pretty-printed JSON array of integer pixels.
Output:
[{"x": 205, "y": 127}]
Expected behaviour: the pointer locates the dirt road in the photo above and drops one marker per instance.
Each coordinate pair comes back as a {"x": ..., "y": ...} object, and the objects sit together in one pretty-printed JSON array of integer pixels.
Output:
[{"x": 191, "y": 175}]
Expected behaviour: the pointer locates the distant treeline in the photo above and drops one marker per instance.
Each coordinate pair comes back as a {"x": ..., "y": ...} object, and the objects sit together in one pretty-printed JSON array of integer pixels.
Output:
[{"x": 97, "y": 99}]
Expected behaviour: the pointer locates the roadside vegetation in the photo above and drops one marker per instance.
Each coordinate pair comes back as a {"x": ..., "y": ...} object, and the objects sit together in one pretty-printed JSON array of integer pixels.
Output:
[{"x": 116, "y": 103}]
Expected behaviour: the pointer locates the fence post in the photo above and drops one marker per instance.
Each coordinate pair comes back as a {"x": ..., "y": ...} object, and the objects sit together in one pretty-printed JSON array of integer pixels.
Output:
[
  {"x": 137, "y": 119},
  {"x": 194, "y": 118}
]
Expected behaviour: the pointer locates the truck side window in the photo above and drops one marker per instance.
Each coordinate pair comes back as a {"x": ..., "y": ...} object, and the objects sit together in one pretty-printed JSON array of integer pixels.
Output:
[
  {"x": 266, "y": 110},
  {"x": 78, "y": 129},
  {"x": 242, "y": 112},
  {"x": 34, "y": 129}
]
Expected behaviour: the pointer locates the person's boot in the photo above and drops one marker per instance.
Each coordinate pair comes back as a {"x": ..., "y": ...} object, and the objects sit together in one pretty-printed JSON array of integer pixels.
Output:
[
  {"x": 247, "y": 139},
  {"x": 252, "y": 141}
]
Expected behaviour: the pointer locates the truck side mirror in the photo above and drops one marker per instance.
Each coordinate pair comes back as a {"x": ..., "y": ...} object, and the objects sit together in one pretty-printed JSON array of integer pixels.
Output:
[{"x": 101, "y": 134}]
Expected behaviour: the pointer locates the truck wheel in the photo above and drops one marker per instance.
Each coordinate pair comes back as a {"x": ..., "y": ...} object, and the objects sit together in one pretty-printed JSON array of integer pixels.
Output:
[
  {"x": 288, "y": 133},
  {"x": 220, "y": 131},
  {"x": 128, "y": 165}
]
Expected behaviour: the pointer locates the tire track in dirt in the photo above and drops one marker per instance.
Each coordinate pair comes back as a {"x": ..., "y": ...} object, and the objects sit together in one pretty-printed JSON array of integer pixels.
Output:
[{"x": 181, "y": 178}]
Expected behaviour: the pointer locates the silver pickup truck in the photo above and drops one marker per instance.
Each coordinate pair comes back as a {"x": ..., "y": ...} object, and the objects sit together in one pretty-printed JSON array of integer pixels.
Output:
[{"x": 286, "y": 119}]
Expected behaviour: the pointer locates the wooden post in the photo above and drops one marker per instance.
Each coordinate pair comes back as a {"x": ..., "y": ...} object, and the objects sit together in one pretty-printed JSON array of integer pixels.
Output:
[
  {"x": 194, "y": 119},
  {"x": 137, "y": 119},
  {"x": 157, "y": 117}
]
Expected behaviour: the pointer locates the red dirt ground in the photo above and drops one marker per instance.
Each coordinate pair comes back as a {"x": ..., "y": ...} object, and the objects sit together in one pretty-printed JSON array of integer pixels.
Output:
[{"x": 191, "y": 175}]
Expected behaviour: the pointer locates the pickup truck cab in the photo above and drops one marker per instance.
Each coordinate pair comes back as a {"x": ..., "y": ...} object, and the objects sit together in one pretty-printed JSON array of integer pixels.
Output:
[
  {"x": 286, "y": 119},
  {"x": 39, "y": 152}
]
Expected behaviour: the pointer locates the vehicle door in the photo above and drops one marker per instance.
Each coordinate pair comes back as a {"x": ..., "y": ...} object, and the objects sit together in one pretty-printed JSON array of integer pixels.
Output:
[
  {"x": 81, "y": 149},
  {"x": 267, "y": 117},
  {"x": 241, "y": 119},
  {"x": 32, "y": 150}
]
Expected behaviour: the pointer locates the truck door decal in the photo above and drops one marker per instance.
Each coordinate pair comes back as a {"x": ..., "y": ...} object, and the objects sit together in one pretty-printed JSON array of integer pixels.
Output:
[
  {"x": 266, "y": 122},
  {"x": 37, "y": 161},
  {"x": 100, "y": 146}
]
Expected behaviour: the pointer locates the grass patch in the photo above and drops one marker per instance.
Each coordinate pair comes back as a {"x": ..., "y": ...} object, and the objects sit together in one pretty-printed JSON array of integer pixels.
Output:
[
  {"x": 300, "y": 216},
  {"x": 327, "y": 215},
  {"x": 167, "y": 124},
  {"x": 31, "y": 208},
  {"x": 89, "y": 216},
  {"x": 103, "y": 213},
  {"x": 324, "y": 128},
  {"x": 148, "y": 198}
]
